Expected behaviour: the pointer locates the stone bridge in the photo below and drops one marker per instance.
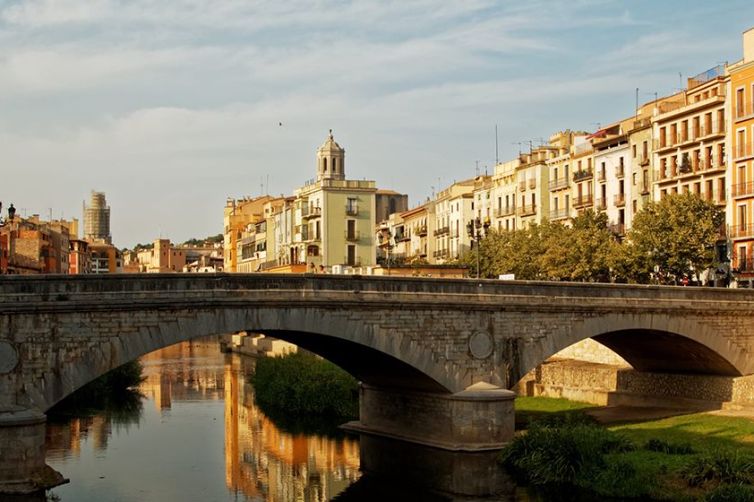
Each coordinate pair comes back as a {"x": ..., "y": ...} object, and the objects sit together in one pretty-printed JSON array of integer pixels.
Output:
[{"x": 434, "y": 356}]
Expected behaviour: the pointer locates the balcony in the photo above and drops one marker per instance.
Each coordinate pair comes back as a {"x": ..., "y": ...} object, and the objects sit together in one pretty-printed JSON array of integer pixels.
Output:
[
  {"x": 402, "y": 238},
  {"x": 353, "y": 262},
  {"x": 558, "y": 214},
  {"x": 533, "y": 183},
  {"x": 558, "y": 184},
  {"x": 442, "y": 231},
  {"x": 527, "y": 210},
  {"x": 743, "y": 151},
  {"x": 619, "y": 200},
  {"x": 645, "y": 188},
  {"x": 443, "y": 253},
  {"x": 620, "y": 172},
  {"x": 521, "y": 186},
  {"x": 308, "y": 212},
  {"x": 582, "y": 175},
  {"x": 583, "y": 201},
  {"x": 352, "y": 210},
  {"x": 741, "y": 231},
  {"x": 617, "y": 228},
  {"x": 352, "y": 236},
  {"x": 505, "y": 211},
  {"x": 745, "y": 264},
  {"x": 421, "y": 231},
  {"x": 643, "y": 160},
  {"x": 743, "y": 189},
  {"x": 601, "y": 175},
  {"x": 600, "y": 204},
  {"x": 743, "y": 111}
]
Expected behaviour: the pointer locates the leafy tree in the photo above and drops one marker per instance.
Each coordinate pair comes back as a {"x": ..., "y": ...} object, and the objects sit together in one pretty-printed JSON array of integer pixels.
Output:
[
  {"x": 677, "y": 235},
  {"x": 592, "y": 248}
]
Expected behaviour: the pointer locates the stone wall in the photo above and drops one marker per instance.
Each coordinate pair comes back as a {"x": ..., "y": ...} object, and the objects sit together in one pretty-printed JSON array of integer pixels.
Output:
[{"x": 603, "y": 385}]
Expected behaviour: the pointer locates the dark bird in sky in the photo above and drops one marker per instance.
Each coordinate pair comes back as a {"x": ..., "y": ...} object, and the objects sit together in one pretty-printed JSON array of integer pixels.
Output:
[{"x": 280, "y": 123}]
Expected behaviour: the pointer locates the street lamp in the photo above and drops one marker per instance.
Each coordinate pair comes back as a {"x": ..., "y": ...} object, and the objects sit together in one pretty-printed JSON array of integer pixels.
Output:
[{"x": 477, "y": 230}]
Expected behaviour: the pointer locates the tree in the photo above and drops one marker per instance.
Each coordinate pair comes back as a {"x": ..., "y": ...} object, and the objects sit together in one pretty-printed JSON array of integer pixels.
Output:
[
  {"x": 673, "y": 238},
  {"x": 592, "y": 249}
]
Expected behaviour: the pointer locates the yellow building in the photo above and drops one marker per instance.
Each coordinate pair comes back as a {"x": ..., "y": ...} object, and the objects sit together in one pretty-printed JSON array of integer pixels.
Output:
[
  {"x": 238, "y": 214},
  {"x": 504, "y": 195},
  {"x": 690, "y": 134},
  {"x": 533, "y": 190},
  {"x": 741, "y": 173}
]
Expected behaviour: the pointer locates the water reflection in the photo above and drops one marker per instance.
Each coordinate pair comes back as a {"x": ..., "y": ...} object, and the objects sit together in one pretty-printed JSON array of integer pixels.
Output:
[{"x": 198, "y": 436}]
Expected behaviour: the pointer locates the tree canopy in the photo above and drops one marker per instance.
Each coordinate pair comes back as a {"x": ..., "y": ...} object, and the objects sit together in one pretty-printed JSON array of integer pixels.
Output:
[{"x": 677, "y": 235}]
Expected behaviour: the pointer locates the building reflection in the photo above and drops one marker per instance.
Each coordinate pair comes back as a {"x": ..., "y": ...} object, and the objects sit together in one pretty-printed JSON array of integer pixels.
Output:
[
  {"x": 262, "y": 462},
  {"x": 266, "y": 463}
]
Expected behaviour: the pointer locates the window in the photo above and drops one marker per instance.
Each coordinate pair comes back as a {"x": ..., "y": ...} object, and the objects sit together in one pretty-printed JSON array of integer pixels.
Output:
[{"x": 351, "y": 257}]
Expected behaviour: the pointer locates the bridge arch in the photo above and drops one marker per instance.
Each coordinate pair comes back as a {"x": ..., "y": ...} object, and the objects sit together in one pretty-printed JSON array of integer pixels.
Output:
[
  {"x": 358, "y": 347},
  {"x": 652, "y": 343}
]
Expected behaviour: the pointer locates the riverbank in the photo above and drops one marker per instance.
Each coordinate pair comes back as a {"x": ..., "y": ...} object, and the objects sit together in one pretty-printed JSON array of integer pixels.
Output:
[{"x": 681, "y": 457}]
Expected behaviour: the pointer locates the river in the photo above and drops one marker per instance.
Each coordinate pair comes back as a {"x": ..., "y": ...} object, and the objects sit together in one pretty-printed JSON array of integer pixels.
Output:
[{"x": 195, "y": 435}]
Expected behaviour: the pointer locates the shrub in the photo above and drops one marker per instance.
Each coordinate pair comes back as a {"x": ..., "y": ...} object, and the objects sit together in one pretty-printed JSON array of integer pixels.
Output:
[
  {"x": 731, "y": 493},
  {"x": 563, "y": 454},
  {"x": 720, "y": 467},
  {"x": 302, "y": 383},
  {"x": 661, "y": 446}
]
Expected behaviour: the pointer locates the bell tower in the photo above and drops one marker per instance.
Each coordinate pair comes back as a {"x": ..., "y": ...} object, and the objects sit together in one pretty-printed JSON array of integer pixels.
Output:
[{"x": 331, "y": 160}]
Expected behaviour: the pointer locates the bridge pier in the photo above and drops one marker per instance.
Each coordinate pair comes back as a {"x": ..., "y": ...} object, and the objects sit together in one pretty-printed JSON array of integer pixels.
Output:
[
  {"x": 480, "y": 418},
  {"x": 22, "y": 453}
]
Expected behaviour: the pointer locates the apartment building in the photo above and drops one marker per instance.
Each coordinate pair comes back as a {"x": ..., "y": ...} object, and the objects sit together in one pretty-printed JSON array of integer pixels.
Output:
[
  {"x": 740, "y": 209},
  {"x": 237, "y": 215},
  {"x": 533, "y": 189},
  {"x": 611, "y": 156},
  {"x": 453, "y": 209},
  {"x": 582, "y": 162},
  {"x": 504, "y": 195},
  {"x": 690, "y": 135}
]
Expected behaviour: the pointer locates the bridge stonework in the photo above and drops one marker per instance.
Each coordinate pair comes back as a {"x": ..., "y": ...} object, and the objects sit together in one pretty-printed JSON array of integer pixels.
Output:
[{"x": 441, "y": 343}]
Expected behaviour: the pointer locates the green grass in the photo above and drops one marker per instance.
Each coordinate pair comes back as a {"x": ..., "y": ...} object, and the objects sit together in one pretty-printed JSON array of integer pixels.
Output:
[{"x": 695, "y": 446}]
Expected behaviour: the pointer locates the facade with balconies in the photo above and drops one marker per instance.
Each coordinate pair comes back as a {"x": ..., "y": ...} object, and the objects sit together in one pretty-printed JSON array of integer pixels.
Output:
[
  {"x": 533, "y": 192},
  {"x": 740, "y": 210},
  {"x": 503, "y": 194},
  {"x": 453, "y": 208},
  {"x": 612, "y": 161},
  {"x": 690, "y": 134},
  {"x": 582, "y": 162}
]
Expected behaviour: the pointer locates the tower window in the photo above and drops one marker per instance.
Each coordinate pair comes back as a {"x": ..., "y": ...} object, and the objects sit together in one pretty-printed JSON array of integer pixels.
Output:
[
  {"x": 324, "y": 165},
  {"x": 335, "y": 165}
]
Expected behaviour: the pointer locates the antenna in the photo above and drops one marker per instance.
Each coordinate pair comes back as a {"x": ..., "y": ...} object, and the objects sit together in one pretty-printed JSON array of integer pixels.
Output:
[
  {"x": 497, "y": 156},
  {"x": 477, "y": 167},
  {"x": 637, "y": 102},
  {"x": 519, "y": 146}
]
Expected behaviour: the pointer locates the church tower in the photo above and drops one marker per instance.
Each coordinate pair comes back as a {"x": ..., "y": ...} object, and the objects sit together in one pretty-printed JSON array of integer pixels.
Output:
[{"x": 331, "y": 160}]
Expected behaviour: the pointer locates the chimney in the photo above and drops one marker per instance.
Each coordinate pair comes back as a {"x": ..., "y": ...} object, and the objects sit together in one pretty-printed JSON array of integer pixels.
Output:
[{"x": 749, "y": 45}]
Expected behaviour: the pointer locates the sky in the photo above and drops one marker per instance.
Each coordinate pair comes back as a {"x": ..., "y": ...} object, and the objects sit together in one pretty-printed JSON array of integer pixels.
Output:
[{"x": 172, "y": 106}]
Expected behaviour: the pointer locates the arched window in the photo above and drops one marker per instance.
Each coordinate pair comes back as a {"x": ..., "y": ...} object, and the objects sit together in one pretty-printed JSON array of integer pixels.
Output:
[{"x": 324, "y": 165}]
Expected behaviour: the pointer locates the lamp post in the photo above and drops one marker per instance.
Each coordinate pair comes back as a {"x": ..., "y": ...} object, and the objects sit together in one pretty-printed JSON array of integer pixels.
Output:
[{"x": 477, "y": 230}]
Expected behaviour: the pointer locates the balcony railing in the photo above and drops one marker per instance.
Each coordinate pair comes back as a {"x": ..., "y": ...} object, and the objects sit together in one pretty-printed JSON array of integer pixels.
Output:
[
  {"x": 521, "y": 186},
  {"x": 533, "y": 183},
  {"x": 619, "y": 200},
  {"x": 527, "y": 210},
  {"x": 741, "y": 189},
  {"x": 558, "y": 214},
  {"x": 583, "y": 201},
  {"x": 601, "y": 175},
  {"x": 713, "y": 128},
  {"x": 600, "y": 204},
  {"x": 353, "y": 236},
  {"x": 741, "y": 231},
  {"x": 442, "y": 231},
  {"x": 402, "y": 238},
  {"x": 505, "y": 211},
  {"x": 558, "y": 184},
  {"x": 352, "y": 210},
  {"x": 442, "y": 253},
  {"x": 582, "y": 175},
  {"x": 744, "y": 263},
  {"x": 421, "y": 231},
  {"x": 645, "y": 188},
  {"x": 354, "y": 262},
  {"x": 311, "y": 212},
  {"x": 620, "y": 171},
  {"x": 643, "y": 160}
]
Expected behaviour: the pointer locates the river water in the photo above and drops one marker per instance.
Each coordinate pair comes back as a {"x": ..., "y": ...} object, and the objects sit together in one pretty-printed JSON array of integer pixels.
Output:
[{"x": 196, "y": 435}]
